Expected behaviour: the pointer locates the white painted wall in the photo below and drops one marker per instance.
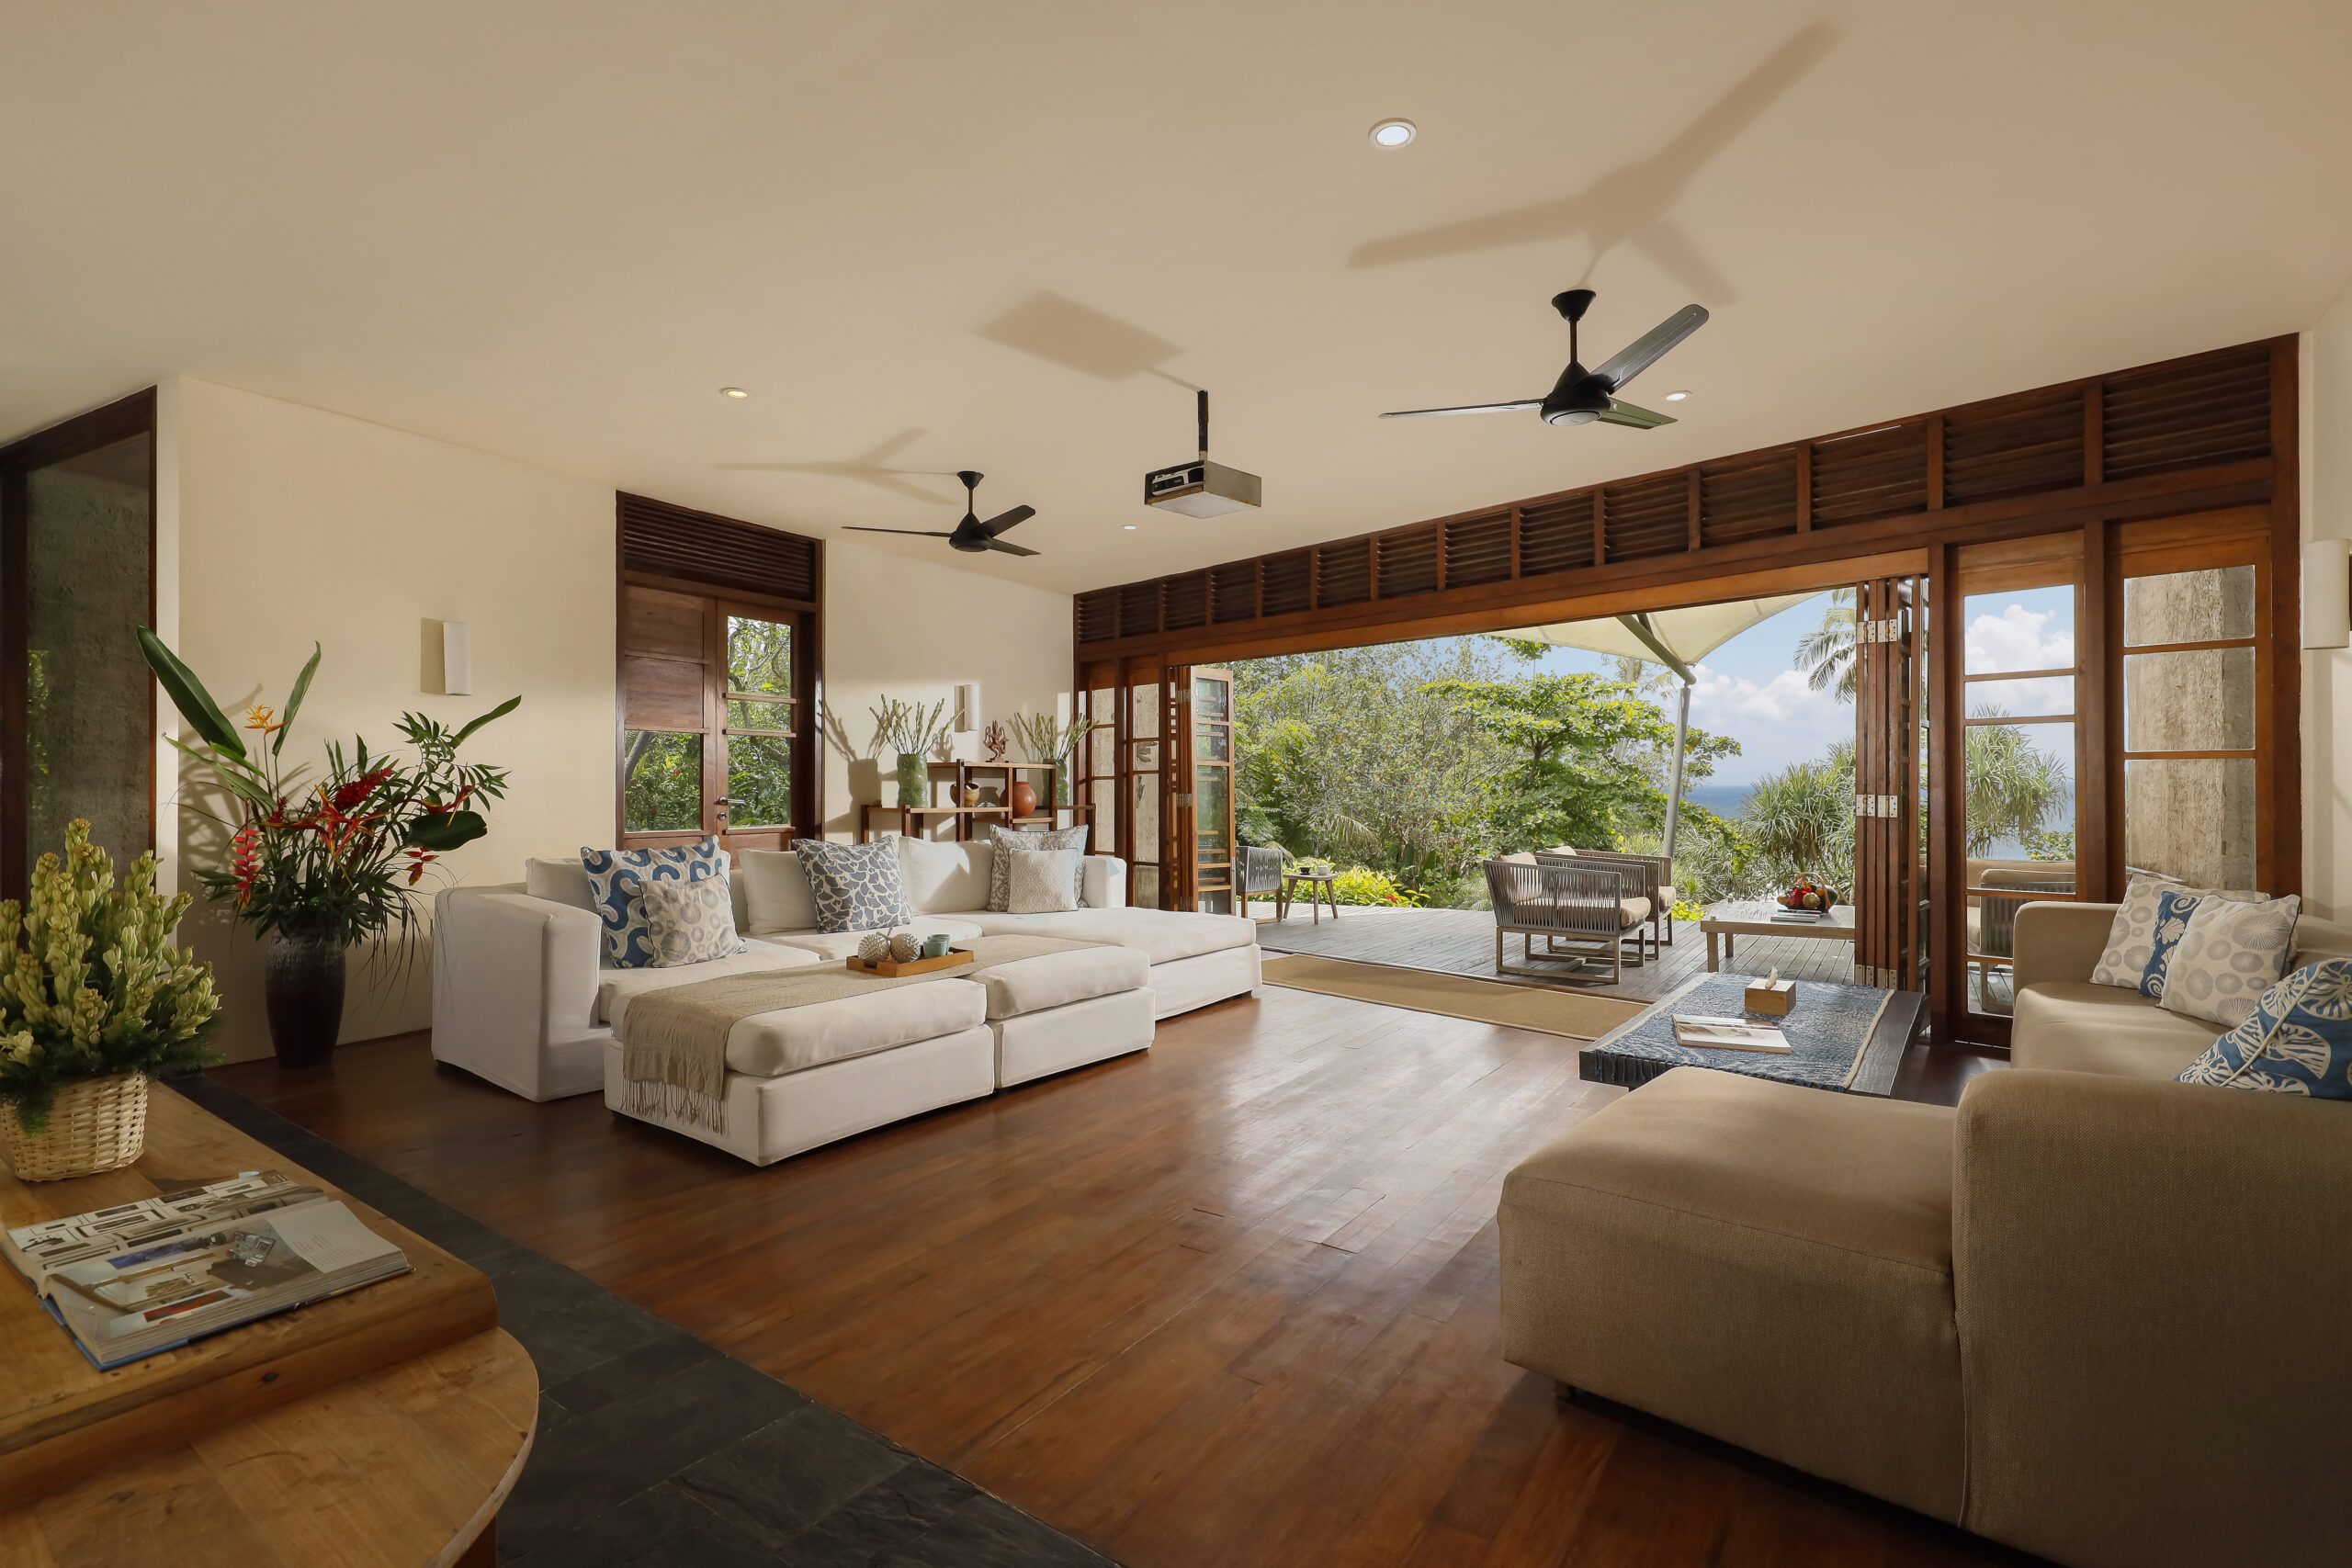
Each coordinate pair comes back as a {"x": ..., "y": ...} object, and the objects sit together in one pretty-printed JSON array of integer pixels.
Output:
[
  {"x": 293, "y": 525},
  {"x": 915, "y": 628},
  {"x": 2327, "y": 452}
]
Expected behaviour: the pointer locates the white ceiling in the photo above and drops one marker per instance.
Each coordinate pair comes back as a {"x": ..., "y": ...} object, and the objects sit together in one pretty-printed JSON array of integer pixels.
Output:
[{"x": 1011, "y": 237}]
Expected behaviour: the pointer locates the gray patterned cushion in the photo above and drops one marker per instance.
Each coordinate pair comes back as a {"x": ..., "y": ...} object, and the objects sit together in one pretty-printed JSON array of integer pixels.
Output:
[
  {"x": 2132, "y": 940},
  {"x": 855, "y": 886},
  {"x": 1007, "y": 840},
  {"x": 1041, "y": 882},
  {"x": 689, "y": 922},
  {"x": 2231, "y": 954}
]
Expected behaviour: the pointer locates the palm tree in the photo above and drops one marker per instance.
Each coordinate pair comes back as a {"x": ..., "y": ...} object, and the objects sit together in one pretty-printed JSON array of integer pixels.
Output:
[
  {"x": 2013, "y": 789},
  {"x": 1827, "y": 656},
  {"x": 1648, "y": 678}
]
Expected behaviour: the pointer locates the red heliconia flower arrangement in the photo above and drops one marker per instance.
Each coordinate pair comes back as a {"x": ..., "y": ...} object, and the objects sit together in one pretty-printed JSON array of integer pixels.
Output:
[{"x": 337, "y": 857}]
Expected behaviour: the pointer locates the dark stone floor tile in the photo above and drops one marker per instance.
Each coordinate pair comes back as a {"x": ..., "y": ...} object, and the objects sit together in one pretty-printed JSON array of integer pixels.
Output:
[
  {"x": 626, "y": 1535},
  {"x": 592, "y": 1464},
  {"x": 786, "y": 1478},
  {"x": 628, "y": 1374},
  {"x": 892, "y": 1516},
  {"x": 987, "y": 1532},
  {"x": 568, "y": 1321}
]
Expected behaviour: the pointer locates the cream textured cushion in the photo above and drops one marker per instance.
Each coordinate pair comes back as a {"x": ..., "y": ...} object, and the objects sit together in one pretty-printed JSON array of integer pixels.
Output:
[
  {"x": 689, "y": 922},
  {"x": 559, "y": 881},
  {"x": 776, "y": 895},
  {"x": 2131, "y": 939},
  {"x": 2231, "y": 954},
  {"x": 1056, "y": 979},
  {"x": 2073, "y": 1026},
  {"x": 943, "y": 877},
  {"x": 1041, "y": 882},
  {"x": 1007, "y": 839},
  {"x": 1160, "y": 935}
]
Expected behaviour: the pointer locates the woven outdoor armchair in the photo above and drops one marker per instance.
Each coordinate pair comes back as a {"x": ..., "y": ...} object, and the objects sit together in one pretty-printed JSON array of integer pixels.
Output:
[
  {"x": 1581, "y": 912},
  {"x": 1649, "y": 876}
]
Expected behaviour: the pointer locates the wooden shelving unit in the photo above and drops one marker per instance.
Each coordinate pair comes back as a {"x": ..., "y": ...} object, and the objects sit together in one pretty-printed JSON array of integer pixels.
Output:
[{"x": 916, "y": 821}]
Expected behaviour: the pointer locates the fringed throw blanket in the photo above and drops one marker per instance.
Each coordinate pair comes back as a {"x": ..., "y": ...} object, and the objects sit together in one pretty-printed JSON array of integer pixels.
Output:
[{"x": 674, "y": 1044}]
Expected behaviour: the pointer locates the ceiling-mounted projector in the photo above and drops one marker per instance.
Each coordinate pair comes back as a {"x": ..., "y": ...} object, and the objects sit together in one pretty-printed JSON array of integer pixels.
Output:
[{"x": 1199, "y": 488}]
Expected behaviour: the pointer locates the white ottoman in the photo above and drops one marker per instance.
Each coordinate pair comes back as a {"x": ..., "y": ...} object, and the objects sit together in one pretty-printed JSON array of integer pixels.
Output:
[{"x": 1060, "y": 1010}]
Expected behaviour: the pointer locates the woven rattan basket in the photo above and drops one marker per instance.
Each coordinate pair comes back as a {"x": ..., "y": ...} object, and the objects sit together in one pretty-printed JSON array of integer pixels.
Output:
[{"x": 97, "y": 1125}]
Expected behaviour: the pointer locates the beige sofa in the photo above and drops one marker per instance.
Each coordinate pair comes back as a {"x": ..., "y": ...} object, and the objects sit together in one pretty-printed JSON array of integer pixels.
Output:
[{"x": 2092, "y": 1313}]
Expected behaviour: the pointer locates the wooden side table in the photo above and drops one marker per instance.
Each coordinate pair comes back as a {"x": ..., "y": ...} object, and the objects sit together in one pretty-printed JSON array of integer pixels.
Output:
[{"x": 1321, "y": 888}]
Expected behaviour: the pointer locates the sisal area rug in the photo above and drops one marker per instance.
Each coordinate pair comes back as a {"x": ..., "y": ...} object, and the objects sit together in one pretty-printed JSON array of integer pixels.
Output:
[{"x": 1572, "y": 1013}]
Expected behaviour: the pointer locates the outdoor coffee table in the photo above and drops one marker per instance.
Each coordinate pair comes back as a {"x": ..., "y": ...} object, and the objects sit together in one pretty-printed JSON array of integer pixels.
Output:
[
  {"x": 1755, "y": 919},
  {"x": 1321, "y": 886}
]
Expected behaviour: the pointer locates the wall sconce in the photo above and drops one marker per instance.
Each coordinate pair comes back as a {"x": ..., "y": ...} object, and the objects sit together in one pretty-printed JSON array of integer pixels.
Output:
[
  {"x": 2327, "y": 593},
  {"x": 448, "y": 661},
  {"x": 968, "y": 706}
]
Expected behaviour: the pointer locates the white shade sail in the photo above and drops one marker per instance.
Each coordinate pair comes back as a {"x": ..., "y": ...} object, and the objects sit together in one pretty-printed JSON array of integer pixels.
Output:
[{"x": 1688, "y": 634}]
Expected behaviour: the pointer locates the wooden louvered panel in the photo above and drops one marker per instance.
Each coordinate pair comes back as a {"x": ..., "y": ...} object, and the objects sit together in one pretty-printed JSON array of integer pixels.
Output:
[
  {"x": 1098, "y": 616},
  {"x": 1185, "y": 601},
  {"x": 2013, "y": 446},
  {"x": 1555, "y": 536},
  {"x": 663, "y": 540},
  {"x": 1880, "y": 473},
  {"x": 1287, "y": 585},
  {"x": 1747, "y": 498},
  {"x": 1138, "y": 609},
  {"x": 2215, "y": 410},
  {"x": 1408, "y": 563},
  {"x": 1650, "y": 518},
  {"x": 1477, "y": 549},
  {"x": 1343, "y": 573},
  {"x": 1233, "y": 591}
]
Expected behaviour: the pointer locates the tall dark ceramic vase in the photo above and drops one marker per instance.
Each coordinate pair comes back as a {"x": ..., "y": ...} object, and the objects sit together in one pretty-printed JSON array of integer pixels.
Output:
[{"x": 303, "y": 984}]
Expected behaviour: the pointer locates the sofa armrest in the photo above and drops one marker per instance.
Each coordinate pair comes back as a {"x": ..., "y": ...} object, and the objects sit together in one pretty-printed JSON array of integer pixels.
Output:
[
  {"x": 1104, "y": 883},
  {"x": 512, "y": 975},
  {"x": 2059, "y": 941},
  {"x": 2150, "y": 1281}
]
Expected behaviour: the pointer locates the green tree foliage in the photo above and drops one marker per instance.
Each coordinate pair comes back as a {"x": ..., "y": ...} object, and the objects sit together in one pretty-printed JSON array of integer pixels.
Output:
[{"x": 2016, "y": 791}]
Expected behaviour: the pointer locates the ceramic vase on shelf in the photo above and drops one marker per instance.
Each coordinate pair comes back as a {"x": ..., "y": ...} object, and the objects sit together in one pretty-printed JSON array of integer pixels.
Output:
[
  {"x": 302, "y": 984},
  {"x": 914, "y": 779},
  {"x": 1024, "y": 798}
]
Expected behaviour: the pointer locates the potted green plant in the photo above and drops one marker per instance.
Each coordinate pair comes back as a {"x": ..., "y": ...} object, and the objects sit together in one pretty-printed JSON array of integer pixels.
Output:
[
  {"x": 94, "y": 998},
  {"x": 317, "y": 867},
  {"x": 1049, "y": 740},
  {"x": 911, "y": 731}
]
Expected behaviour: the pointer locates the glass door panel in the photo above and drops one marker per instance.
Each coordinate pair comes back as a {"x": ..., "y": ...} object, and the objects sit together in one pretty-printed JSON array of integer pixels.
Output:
[
  {"x": 2020, "y": 764},
  {"x": 2191, "y": 784},
  {"x": 1143, "y": 787},
  {"x": 758, "y": 734},
  {"x": 1212, "y": 805}
]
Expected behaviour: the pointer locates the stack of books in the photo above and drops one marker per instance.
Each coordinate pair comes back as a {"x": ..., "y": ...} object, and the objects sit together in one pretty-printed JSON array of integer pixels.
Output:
[
  {"x": 1799, "y": 916},
  {"x": 1728, "y": 1035},
  {"x": 150, "y": 1276}
]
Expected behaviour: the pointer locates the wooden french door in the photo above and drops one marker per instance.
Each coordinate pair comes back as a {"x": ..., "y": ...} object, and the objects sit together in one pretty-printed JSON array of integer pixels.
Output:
[
  {"x": 1890, "y": 864},
  {"x": 1200, "y": 839},
  {"x": 717, "y": 722}
]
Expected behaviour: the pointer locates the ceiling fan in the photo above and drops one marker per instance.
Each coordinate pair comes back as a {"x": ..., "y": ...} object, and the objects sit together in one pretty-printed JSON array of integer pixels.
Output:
[
  {"x": 1581, "y": 396},
  {"x": 971, "y": 533}
]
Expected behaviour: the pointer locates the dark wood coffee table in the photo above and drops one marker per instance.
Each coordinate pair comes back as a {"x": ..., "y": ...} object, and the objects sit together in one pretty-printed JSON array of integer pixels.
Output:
[{"x": 1874, "y": 1071}]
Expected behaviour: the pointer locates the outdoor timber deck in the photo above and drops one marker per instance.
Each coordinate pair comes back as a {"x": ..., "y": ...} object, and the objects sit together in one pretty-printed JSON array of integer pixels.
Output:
[{"x": 1461, "y": 942}]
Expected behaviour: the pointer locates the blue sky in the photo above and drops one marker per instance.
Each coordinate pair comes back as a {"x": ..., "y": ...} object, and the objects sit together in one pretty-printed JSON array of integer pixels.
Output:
[{"x": 1750, "y": 690}]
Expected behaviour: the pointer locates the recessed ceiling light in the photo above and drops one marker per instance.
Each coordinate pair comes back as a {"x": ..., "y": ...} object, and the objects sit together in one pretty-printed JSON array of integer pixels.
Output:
[
  {"x": 1394, "y": 133},
  {"x": 733, "y": 392},
  {"x": 1676, "y": 396},
  {"x": 1128, "y": 526}
]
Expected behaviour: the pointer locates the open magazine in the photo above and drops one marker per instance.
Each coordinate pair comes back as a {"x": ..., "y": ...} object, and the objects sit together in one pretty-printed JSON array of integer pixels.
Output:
[{"x": 144, "y": 1277}]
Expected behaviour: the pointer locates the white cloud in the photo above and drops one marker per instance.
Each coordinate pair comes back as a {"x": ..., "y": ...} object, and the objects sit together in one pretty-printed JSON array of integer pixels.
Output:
[
  {"x": 2019, "y": 639},
  {"x": 1776, "y": 722}
]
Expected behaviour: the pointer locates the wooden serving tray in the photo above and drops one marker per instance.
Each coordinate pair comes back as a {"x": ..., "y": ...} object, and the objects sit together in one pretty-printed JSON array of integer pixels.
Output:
[
  {"x": 61, "y": 1418},
  {"x": 891, "y": 969}
]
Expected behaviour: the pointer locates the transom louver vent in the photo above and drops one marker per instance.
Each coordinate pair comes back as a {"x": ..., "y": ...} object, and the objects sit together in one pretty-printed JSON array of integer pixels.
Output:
[
  {"x": 1748, "y": 498},
  {"x": 1408, "y": 563},
  {"x": 2159, "y": 422},
  {"x": 1098, "y": 616},
  {"x": 1140, "y": 609},
  {"x": 1648, "y": 517},
  {"x": 1233, "y": 591},
  {"x": 1879, "y": 473},
  {"x": 1287, "y": 584},
  {"x": 2200, "y": 414},
  {"x": 1555, "y": 536},
  {"x": 2013, "y": 449},
  {"x": 1343, "y": 573},
  {"x": 1185, "y": 601},
  {"x": 662, "y": 540},
  {"x": 1477, "y": 549}
]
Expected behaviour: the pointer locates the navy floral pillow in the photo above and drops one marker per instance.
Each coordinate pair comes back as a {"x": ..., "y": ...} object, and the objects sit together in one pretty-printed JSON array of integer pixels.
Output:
[
  {"x": 616, "y": 880},
  {"x": 2173, "y": 909},
  {"x": 855, "y": 887},
  {"x": 2297, "y": 1041}
]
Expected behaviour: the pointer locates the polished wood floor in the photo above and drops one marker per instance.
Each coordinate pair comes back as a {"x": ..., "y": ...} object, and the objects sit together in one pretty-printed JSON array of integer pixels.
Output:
[
  {"x": 1233, "y": 1300},
  {"x": 1461, "y": 942}
]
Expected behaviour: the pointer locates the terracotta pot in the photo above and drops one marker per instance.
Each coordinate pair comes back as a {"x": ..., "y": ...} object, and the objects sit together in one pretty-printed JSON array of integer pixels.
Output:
[
  {"x": 303, "y": 985},
  {"x": 1024, "y": 798}
]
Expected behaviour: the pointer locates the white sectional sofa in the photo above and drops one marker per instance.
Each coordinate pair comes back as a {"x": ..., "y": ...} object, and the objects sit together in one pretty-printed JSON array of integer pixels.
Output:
[{"x": 524, "y": 996}]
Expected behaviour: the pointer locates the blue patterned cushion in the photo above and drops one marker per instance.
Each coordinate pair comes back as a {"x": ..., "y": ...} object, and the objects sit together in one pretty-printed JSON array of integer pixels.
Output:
[
  {"x": 2298, "y": 1040},
  {"x": 615, "y": 878},
  {"x": 2173, "y": 909},
  {"x": 856, "y": 887}
]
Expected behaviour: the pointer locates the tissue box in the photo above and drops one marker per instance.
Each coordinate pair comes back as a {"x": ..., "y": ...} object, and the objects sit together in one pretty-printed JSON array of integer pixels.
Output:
[{"x": 1774, "y": 998}]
